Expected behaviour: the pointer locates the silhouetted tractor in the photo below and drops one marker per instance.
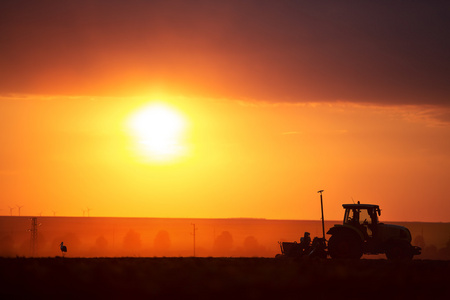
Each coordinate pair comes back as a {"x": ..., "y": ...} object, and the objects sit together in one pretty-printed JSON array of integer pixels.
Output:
[{"x": 361, "y": 233}]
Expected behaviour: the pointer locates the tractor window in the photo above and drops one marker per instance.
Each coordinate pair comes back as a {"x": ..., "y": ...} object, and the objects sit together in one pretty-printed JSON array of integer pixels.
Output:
[
  {"x": 351, "y": 216},
  {"x": 364, "y": 217},
  {"x": 357, "y": 216}
]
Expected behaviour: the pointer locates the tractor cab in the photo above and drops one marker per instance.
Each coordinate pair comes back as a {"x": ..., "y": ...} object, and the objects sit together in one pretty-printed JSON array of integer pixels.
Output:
[{"x": 363, "y": 217}]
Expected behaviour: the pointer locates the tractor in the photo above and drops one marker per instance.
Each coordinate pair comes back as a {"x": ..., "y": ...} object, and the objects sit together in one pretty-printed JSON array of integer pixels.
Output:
[{"x": 361, "y": 233}]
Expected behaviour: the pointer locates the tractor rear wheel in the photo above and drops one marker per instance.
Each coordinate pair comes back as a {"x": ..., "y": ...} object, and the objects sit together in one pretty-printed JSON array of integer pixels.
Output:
[{"x": 345, "y": 245}]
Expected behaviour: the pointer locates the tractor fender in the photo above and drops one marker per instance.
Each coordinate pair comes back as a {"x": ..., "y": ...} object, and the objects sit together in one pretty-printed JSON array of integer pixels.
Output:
[{"x": 346, "y": 228}]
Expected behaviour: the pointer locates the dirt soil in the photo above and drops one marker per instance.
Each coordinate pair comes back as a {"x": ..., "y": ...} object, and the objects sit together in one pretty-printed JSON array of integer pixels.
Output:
[{"x": 222, "y": 278}]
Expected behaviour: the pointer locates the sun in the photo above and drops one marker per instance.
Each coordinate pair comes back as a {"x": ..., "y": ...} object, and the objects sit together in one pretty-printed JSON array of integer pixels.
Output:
[{"x": 159, "y": 131}]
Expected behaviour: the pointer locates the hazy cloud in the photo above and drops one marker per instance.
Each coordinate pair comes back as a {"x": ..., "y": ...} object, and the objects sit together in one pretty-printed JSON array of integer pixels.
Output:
[{"x": 392, "y": 52}]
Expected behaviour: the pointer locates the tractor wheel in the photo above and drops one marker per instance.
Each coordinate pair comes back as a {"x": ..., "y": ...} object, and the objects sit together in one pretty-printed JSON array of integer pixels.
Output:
[
  {"x": 399, "y": 251},
  {"x": 319, "y": 254},
  {"x": 345, "y": 245}
]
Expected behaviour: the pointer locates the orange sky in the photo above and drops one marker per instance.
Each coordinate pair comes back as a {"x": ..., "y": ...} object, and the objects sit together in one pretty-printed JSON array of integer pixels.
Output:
[{"x": 279, "y": 100}]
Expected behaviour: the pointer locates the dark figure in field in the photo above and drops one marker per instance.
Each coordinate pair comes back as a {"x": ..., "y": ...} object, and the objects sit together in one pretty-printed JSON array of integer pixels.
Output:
[
  {"x": 305, "y": 241},
  {"x": 63, "y": 248}
]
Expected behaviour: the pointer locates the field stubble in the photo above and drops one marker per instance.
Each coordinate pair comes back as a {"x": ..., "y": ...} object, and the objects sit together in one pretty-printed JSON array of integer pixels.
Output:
[{"x": 222, "y": 278}]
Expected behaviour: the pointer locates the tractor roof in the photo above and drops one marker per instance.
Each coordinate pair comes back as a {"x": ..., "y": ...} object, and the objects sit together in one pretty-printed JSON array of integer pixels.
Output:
[{"x": 360, "y": 206}]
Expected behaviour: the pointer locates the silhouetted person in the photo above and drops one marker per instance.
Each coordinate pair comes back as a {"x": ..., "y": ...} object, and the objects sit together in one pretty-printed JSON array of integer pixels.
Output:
[
  {"x": 305, "y": 241},
  {"x": 63, "y": 248}
]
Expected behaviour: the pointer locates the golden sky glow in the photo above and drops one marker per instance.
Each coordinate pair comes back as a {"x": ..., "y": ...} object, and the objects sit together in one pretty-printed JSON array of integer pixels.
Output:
[
  {"x": 245, "y": 159},
  {"x": 230, "y": 109}
]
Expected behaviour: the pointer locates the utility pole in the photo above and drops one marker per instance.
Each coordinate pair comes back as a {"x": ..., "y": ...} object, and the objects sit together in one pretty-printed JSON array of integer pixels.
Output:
[
  {"x": 193, "y": 234},
  {"x": 321, "y": 207},
  {"x": 34, "y": 234}
]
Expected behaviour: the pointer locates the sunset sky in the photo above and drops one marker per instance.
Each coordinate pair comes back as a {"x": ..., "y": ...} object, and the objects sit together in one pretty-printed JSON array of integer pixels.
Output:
[{"x": 208, "y": 109}]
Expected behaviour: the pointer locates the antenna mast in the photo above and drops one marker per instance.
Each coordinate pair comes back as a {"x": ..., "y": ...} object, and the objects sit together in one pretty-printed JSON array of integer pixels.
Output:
[{"x": 321, "y": 207}]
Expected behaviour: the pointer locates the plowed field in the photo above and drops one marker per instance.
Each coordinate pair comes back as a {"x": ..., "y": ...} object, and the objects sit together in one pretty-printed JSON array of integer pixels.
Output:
[{"x": 222, "y": 278}]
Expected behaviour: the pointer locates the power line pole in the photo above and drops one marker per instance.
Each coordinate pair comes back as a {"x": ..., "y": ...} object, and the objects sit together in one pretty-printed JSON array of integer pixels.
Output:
[
  {"x": 193, "y": 234},
  {"x": 34, "y": 235}
]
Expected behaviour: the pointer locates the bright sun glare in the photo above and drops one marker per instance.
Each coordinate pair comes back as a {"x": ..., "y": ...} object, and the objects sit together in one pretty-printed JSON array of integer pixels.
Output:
[{"x": 159, "y": 132}]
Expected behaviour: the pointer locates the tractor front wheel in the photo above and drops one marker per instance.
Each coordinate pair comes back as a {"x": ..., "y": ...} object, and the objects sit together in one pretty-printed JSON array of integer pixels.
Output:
[
  {"x": 399, "y": 251},
  {"x": 345, "y": 245}
]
